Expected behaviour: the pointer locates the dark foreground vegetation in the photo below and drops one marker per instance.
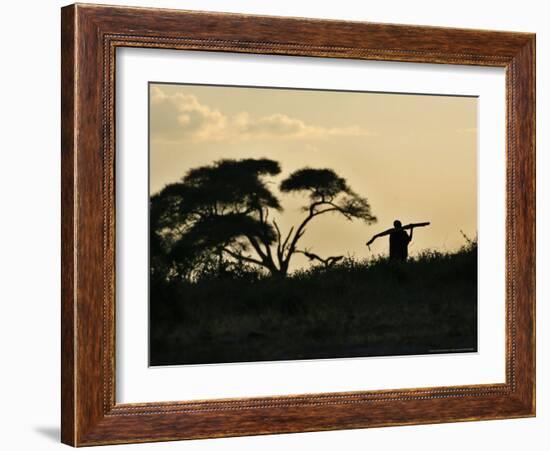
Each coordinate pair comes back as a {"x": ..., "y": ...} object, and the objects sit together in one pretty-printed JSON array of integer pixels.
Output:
[{"x": 355, "y": 308}]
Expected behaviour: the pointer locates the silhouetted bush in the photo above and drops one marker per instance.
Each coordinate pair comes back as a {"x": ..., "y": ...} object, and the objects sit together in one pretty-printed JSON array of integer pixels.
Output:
[{"x": 356, "y": 308}]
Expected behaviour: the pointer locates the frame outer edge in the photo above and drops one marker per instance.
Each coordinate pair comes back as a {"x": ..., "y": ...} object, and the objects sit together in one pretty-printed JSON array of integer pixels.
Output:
[
  {"x": 68, "y": 229},
  {"x": 534, "y": 175},
  {"x": 525, "y": 62}
]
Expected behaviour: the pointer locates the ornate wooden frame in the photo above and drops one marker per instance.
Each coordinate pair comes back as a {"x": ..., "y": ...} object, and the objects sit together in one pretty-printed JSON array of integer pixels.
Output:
[{"x": 90, "y": 413}]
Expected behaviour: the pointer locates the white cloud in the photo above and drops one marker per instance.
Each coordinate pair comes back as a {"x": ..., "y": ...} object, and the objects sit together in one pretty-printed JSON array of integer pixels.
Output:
[
  {"x": 283, "y": 126},
  {"x": 181, "y": 116},
  {"x": 177, "y": 115}
]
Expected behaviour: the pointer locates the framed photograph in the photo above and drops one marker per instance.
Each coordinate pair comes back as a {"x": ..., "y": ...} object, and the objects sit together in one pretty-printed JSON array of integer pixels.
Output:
[{"x": 279, "y": 225}]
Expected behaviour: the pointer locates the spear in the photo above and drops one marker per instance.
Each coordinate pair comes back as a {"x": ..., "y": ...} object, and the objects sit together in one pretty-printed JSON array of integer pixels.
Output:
[{"x": 393, "y": 229}]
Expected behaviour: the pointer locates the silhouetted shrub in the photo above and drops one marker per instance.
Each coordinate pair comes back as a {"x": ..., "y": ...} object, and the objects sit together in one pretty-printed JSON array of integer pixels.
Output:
[{"x": 356, "y": 308}]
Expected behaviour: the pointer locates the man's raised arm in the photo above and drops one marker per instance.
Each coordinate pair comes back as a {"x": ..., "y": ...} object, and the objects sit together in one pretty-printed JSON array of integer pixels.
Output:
[{"x": 378, "y": 235}]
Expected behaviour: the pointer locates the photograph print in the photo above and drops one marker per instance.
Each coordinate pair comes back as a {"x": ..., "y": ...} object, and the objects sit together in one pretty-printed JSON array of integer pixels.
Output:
[{"x": 292, "y": 224}]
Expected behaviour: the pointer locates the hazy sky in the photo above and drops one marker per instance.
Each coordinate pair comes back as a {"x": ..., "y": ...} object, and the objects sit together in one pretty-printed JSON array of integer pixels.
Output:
[{"x": 414, "y": 157}]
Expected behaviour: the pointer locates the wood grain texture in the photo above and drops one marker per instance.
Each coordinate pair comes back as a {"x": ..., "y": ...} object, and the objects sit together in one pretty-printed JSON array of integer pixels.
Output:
[
  {"x": 68, "y": 146},
  {"x": 90, "y": 36}
]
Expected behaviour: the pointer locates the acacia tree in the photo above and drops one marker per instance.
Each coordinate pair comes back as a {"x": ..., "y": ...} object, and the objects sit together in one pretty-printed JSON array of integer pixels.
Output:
[{"x": 218, "y": 217}]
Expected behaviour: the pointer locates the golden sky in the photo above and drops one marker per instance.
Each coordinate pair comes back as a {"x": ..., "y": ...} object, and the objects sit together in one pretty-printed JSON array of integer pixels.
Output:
[{"x": 414, "y": 157}]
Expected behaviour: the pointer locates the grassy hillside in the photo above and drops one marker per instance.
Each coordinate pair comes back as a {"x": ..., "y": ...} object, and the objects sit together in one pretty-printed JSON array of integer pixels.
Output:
[{"x": 357, "y": 308}]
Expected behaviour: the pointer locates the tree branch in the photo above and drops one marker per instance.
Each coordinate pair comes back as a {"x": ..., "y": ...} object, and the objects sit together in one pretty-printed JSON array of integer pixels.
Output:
[
  {"x": 312, "y": 213},
  {"x": 285, "y": 242},
  {"x": 297, "y": 235},
  {"x": 328, "y": 262},
  {"x": 256, "y": 246},
  {"x": 339, "y": 209},
  {"x": 267, "y": 258},
  {"x": 244, "y": 257},
  {"x": 279, "y": 238}
]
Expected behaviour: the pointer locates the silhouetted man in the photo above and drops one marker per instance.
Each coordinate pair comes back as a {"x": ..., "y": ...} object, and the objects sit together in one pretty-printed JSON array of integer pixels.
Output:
[
  {"x": 399, "y": 242},
  {"x": 399, "y": 239}
]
